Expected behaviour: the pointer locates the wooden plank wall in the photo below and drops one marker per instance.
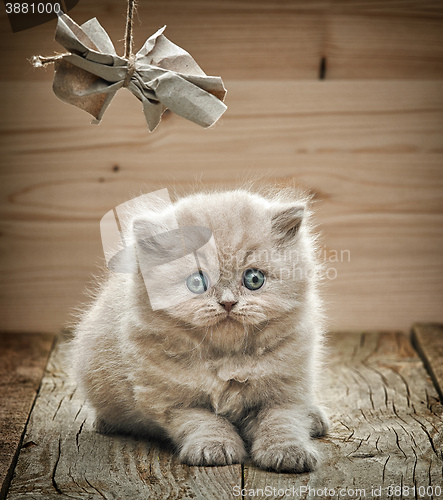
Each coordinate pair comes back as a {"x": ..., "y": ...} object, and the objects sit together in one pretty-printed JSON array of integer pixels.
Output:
[{"x": 367, "y": 139}]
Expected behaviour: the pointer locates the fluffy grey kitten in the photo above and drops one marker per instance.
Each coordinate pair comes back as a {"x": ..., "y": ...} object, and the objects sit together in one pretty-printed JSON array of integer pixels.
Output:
[{"x": 230, "y": 368}]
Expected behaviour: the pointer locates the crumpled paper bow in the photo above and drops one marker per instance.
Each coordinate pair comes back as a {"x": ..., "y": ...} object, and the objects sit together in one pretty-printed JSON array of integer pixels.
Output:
[{"x": 161, "y": 75}]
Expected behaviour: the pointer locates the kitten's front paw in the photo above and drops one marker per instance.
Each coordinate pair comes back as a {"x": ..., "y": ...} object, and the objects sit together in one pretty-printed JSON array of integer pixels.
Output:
[
  {"x": 213, "y": 451},
  {"x": 289, "y": 457},
  {"x": 319, "y": 422}
]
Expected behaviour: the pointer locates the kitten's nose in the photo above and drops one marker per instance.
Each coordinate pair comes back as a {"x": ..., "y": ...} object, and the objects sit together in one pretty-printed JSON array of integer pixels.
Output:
[{"x": 228, "y": 305}]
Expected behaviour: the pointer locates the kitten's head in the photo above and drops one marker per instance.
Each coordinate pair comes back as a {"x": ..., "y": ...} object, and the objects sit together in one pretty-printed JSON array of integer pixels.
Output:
[{"x": 256, "y": 268}]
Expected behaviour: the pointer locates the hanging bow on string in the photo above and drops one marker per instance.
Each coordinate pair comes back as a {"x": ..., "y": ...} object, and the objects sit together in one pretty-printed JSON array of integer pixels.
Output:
[{"x": 161, "y": 75}]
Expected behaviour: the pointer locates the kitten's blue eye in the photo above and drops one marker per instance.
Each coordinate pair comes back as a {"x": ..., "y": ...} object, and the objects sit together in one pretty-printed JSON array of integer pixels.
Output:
[
  {"x": 253, "y": 279},
  {"x": 198, "y": 282}
]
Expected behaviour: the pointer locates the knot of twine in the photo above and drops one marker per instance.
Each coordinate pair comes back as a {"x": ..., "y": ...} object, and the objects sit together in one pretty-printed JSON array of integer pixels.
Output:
[
  {"x": 131, "y": 70},
  {"x": 40, "y": 61}
]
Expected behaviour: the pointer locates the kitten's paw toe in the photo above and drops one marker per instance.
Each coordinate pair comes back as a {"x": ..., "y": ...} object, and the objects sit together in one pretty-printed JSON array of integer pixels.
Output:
[
  {"x": 290, "y": 457},
  {"x": 319, "y": 422},
  {"x": 213, "y": 451}
]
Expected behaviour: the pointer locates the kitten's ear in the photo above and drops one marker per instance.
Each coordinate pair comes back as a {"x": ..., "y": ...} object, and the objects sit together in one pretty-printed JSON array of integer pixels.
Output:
[{"x": 286, "y": 221}]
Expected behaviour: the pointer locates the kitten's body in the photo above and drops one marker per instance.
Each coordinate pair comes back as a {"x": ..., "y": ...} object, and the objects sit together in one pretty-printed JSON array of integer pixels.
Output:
[{"x": 210, "y": 379}]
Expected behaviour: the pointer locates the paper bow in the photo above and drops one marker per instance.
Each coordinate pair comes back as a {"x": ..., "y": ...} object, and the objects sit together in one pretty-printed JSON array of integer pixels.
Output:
[{"x": 161, "y": 75}]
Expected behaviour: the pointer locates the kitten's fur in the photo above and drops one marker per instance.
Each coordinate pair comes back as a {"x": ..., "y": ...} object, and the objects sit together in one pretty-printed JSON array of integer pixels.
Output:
[{"x": 216, "y": 387}]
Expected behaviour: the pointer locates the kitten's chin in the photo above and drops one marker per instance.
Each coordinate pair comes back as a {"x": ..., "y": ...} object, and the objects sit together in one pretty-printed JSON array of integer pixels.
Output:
[
  {"x": 229, "y": 320},
  {"x": 223, "y": 319},
  {"x": 233, "y": 319}
]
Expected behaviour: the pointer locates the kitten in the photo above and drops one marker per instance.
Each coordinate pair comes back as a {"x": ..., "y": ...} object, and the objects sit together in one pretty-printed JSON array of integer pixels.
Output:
[{"x": 231, "y": 366}]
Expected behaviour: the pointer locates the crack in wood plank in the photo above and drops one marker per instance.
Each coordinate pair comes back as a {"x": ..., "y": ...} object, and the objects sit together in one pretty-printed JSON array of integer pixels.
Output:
[
  {"x": 428, "y": 341},
  {"x": 54, "y": 470}
]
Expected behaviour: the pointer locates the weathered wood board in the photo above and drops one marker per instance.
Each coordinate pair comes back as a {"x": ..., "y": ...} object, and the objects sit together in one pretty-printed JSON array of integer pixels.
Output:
[
  {"x": 428, "y": 340},
  {"x": 63, "y": 457},
  {"x": 23, "y": 358},
  {"x": 387, "y": 423},
  {"x": 387, "y": 430}
]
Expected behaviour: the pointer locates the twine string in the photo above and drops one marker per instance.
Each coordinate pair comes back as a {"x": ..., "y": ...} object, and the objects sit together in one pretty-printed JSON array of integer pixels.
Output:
[
  {"x": 42, "y": 61},
  {"x": 129, "y": 40}
]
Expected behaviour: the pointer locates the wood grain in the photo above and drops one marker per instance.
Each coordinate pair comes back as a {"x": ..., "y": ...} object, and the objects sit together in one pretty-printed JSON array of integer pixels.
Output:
[
  {"x": 384, "y": 40},
  {"x": 23, "y": 359},
  {"x": 255, "y": 40},
  {"x": 236, "y": 39},
  {"x": 63, "y": 457},
  {"x": 387, "y": 429},
  {"x": 56, "y": 165},
  {"x": 307, "y": 118},
  {"x": 371, "y": 152},
  {"x": 387, "y": 426},
  {"x": 428, "y": 340}
]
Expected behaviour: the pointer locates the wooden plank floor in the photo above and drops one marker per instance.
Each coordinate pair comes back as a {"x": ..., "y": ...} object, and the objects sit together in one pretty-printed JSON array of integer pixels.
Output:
[
  {"x": 387, "y": 430},
  {"x": 23, "y": 358}
]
